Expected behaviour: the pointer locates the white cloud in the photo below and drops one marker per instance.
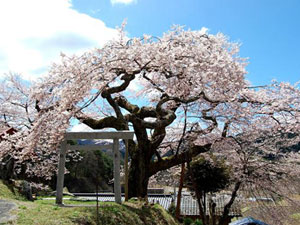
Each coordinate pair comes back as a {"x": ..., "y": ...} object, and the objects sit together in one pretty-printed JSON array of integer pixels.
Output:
[
  {"x": 34, "y": 32},
  {"x": 113, "y": 2}
]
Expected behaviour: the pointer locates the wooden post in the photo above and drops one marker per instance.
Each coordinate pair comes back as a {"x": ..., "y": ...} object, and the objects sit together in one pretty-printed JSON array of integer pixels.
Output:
[
  {"x": 178, "y": 204},
  {"x": 61, "y": 173},
  {"x": 126, "y": 170},
  {"x": 117, "y": 184}
]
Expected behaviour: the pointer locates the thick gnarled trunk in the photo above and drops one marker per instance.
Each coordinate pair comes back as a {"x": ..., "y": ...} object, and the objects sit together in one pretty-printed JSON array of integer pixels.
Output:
[
  {"x": 144, "y": 148},
  {"x": 138, "y": 175},
  {"x": 142, "y": 167}
]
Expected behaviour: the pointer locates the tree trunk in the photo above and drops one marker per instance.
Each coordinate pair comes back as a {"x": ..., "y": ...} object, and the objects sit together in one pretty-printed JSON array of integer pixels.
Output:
[
  {"x": 138, "y": 175},
  {"x": 212, "y": 211},
  {"x": 229, "y": 204},
  {"x": 199, "y": 195}
]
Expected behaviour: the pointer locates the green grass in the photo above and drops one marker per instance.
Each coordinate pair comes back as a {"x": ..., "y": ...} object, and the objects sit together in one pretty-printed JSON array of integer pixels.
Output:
[
  {"x": 45, "y": 212},
  {"x": 8, "y": 192},
  {"x": 296, "y": 216}
]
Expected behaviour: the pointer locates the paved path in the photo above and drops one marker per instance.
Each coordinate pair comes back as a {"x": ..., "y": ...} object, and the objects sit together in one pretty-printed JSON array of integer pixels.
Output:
[{"x": 5, "y": 209}]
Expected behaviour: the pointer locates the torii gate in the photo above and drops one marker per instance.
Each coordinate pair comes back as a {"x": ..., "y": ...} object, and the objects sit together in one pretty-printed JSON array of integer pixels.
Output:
[{"x": 115, "y": 135}]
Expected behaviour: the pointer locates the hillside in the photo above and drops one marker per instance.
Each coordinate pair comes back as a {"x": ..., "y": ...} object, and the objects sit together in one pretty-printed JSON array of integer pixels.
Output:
[{"x": 45, "y": 212}]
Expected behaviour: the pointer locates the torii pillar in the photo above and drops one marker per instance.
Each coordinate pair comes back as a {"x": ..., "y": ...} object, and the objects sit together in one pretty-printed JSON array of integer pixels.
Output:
[{"x": 115, "y": 135}]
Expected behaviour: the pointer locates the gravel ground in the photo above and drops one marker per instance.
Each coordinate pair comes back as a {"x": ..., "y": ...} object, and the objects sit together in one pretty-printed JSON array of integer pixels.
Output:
[{"x": 5, "y": 209}]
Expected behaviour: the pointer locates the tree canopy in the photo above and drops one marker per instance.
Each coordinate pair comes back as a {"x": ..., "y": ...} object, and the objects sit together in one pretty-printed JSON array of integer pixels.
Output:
[{"x": 184, "y": 94}]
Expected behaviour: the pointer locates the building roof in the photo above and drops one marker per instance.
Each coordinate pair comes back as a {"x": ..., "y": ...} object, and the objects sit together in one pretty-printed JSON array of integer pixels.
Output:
[
  {"x": 189, "y": 205},
  {"x": 6, "y": 130},
  {"x": 164, "y": 200}
]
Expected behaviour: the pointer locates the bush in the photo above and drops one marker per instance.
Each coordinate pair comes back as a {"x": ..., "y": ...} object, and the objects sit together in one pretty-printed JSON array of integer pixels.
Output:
[
  {"x": 187, "y": 221},
  {"x": 198, "y": 222},
  {"x": 172, "y": 209}
]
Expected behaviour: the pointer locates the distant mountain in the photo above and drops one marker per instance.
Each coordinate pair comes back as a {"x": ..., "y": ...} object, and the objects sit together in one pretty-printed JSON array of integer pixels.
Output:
[{"x": 103, "y": 142}]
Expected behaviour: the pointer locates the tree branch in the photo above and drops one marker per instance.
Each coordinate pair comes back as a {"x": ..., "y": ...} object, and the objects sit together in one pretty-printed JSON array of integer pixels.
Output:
[
  {"x": 106, "y": 122},
  {"x": 168, "y": 162}
]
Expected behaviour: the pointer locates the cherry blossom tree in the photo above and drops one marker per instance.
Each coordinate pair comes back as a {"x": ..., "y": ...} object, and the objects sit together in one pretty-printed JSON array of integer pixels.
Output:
[
  {"x": 182, "y": 94},
  {"x": 18, "y": 111},
  {"x": 261, "y": 168}
]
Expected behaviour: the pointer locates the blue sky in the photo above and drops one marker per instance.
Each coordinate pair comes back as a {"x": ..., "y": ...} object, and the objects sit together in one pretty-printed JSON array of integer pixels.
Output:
[
  {"x": 34, "y": 32},
  {"x": 269, "y": 30}
]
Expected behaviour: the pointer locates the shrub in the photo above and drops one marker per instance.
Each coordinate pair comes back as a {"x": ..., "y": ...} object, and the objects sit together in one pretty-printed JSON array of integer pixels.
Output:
[
  {"x": 187, "y": 221},
  {"x": 198, "y": 222}
]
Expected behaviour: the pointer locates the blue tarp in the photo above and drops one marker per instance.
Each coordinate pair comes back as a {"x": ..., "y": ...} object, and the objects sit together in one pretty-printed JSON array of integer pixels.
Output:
[{"x": 247, "y": 221}]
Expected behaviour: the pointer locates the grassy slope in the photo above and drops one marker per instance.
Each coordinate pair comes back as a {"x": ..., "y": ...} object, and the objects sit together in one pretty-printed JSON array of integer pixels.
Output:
[
  {"x": 45, "y": 212},
  {"x": 6, "y": 193}
]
